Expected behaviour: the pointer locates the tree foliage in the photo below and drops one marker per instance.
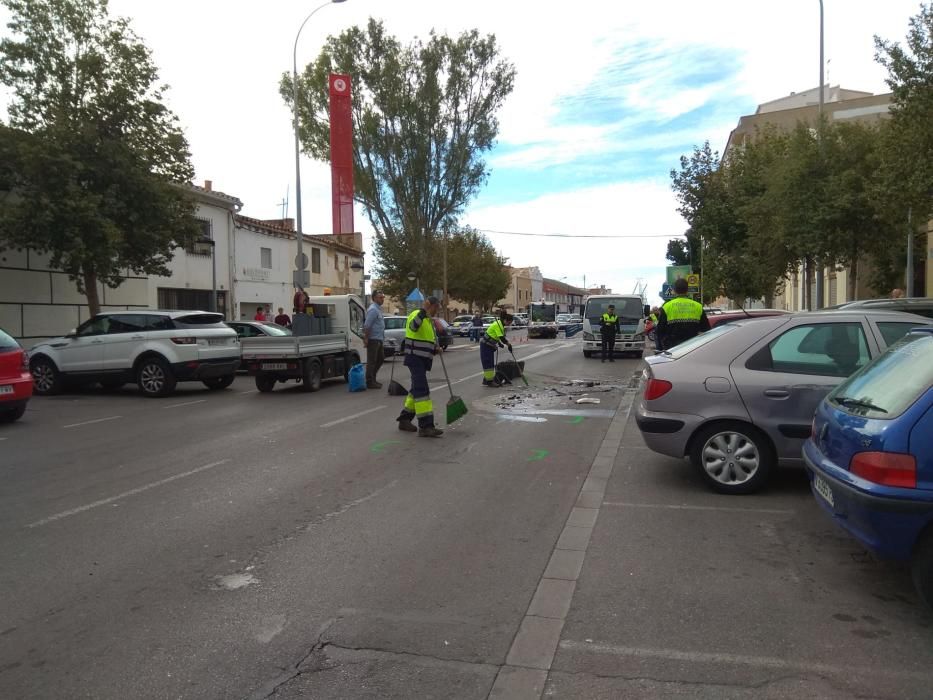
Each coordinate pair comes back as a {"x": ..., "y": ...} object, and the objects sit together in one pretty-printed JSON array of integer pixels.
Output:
[
  {"x": 423, "y": 116},
  {"x": 93, "y": 158}
]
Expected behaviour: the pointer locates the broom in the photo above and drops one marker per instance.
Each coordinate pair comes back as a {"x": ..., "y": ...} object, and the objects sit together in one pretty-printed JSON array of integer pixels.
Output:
[
  {"x": 456, "y": 409},
  {"x": 521, "y": 372},
  {"x": 395, "y": 389}
]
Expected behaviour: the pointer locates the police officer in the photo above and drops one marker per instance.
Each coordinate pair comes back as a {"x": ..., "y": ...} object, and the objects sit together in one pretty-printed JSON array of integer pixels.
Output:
[
  {"x": 680, "y": 318},
  {"x": 419, "y": 349},
  {"x": 609, "y": 326},
  {"x": 493, "y": 338}
]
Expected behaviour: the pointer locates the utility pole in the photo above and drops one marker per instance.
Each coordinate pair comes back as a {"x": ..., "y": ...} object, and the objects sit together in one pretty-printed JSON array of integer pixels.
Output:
[
  {"x": 819, "y": 132},
  {"x": 446, "y": 302},
  {"x": 909, "y": 277}
]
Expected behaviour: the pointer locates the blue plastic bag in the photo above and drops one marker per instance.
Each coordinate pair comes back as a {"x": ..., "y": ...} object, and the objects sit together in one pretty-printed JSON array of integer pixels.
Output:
[{"x": 358, "y": 377}]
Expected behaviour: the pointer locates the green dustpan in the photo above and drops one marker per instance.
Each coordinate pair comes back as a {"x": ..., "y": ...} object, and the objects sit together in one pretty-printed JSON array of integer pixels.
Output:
[{"x": 456, "y": 408}]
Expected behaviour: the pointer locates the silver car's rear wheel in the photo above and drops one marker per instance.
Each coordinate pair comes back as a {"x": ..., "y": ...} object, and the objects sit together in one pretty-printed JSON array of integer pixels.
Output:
[{"x": 732, "y": 457}]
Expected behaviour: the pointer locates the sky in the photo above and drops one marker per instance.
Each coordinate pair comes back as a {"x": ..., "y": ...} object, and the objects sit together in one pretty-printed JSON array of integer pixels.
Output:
[{"x": 608, "y": 95}]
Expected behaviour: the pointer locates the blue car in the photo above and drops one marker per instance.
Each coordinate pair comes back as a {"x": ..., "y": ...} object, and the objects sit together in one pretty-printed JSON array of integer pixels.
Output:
[{"x": 870, "y": 456}]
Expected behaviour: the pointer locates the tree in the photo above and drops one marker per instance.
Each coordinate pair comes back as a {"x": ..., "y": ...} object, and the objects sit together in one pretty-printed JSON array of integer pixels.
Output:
[
  {"x": 476, "y": 272},
  {"x": 680, "y": 251},
  {"x": 95, "y": 159},
  {"x": 423, "y": 116},
  {"x": 906, "y": 170}
]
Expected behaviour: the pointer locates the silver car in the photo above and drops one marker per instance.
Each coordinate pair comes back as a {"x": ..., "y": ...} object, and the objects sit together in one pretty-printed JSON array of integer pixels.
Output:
[{"x": 740, "y": 398}]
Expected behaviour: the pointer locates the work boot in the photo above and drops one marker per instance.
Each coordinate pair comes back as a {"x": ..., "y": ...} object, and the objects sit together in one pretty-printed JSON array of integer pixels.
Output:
[
  {"x": 407, "y": 426},
  {"x": 492, "y": 383},
  {"x": 430, "y": 432}
]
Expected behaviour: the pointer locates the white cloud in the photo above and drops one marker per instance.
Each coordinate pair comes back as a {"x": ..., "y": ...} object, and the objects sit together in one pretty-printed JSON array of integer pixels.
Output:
[{"x": 223, "y": 61}]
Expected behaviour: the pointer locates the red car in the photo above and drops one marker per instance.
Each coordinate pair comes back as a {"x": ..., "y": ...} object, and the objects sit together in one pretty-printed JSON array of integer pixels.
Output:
[{"x": 15, "y": 379}]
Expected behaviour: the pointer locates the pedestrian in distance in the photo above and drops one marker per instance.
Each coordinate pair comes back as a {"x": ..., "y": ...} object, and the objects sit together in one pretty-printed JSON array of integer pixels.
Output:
[
  {"x": 680, "y": 318},
  {"x": 374, "y": 334},
  {"x": 897, "y": 293},
  {"x": 608, "y": 329},
  {"x": 476, "y": 327},
  {"x": 493, "y": 339},
  {"x": 282, "y": 319},
  {"x": 260, "y": 314},
  {"x": 267, "y": 313},
  {"x": 419, "y": 349},
  {"x": 300, "y": 300}
]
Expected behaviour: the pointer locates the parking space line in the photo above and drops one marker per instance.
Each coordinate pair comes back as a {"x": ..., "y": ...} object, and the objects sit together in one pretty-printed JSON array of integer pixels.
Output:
[
  {"x": 186, "y": 403},
  {"x": 125, "y": 494},
  {"x": 723, "y": 509},
  {"x": 251, "y": 391},
  {"x": 355, "y": 415},
  {"x": 89, "y": 422}
]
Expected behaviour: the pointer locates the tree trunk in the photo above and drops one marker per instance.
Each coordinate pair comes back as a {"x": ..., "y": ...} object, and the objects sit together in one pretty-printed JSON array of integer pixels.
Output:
[
  {"x": 852, "y": 282},
  {"x": 769, "y": 300},
  {"x": 807, "y": 276},
  {"x": 90, "y": 291}
]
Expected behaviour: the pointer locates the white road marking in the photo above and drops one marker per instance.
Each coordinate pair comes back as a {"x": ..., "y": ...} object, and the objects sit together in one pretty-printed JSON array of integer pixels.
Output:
[
  {"x": 706, "y": 658},
  {"x": 251, "y": 391},
  {"x": 353, "y": 504},
  {"x": 186, "y": 403},
  {"x": 355, "y": 415},
  {"x": 89, "y": 422},
  {"x": 125, "y": 494},
  {"x": 722, "y": 509},
  {"x": 2, "y": 439}
]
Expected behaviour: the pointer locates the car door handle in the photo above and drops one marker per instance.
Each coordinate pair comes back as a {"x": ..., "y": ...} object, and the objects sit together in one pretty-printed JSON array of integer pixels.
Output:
[
  {"x": 96, "y": 342},
  {"x": 138, "y": 337},
  {"x": 777, "y": 393}
]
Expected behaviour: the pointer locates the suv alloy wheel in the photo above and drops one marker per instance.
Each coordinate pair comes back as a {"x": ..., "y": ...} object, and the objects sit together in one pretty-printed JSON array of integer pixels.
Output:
[{"x": 154, "y": 377}]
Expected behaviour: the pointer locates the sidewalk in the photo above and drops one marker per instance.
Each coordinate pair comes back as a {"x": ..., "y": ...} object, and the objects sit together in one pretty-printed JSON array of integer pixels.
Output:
[{"x": 660, "y": 588}]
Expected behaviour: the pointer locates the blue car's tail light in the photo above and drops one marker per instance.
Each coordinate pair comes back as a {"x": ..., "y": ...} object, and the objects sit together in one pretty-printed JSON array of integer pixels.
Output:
[{"x": 885, "y": 468}]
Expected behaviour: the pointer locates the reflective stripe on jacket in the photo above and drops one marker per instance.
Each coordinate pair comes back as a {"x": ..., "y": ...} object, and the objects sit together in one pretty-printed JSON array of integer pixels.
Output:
[{"x": 420, "y": 339}]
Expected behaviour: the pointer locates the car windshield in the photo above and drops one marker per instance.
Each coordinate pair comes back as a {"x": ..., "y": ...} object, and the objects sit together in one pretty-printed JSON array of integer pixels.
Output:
[
  {"x": 275, "y": 329},
  {"x": 700, "y": 340},
  {"x": 394, "y": 323},
  {"x": 628, "y": 310},
  {"x": 200, "y": 319},
  {"x": 7, "y": 342},
  {"x": 891, "y": 384}
]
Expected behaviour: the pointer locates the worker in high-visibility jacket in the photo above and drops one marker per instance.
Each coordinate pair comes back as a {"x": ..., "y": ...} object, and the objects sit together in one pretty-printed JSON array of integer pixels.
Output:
[
  {"x": 680, "y": 318},
  {"x": 419, "y": 348},
  {"x": 493, "y": 339},
  {"x": 608, "y": 329}
]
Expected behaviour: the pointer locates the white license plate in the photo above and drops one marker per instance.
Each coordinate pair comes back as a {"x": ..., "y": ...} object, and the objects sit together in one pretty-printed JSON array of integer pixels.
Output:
[
  {"x": 216, "y": 341},
  {"x": 275, "y": 365},
  {"x": 6, "y": 389},
  {"x": 822, "y": 488}
]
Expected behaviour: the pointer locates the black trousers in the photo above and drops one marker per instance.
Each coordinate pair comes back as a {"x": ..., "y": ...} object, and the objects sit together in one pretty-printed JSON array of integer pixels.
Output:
[
  {"x": 609, "y": 344},
  {"x": 375, "y": 356}
]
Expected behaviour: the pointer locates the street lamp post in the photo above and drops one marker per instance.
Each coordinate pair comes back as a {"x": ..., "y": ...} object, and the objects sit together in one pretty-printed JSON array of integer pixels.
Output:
[
  {"x": 820, "y": 268},
  {"x": 299, "y": 261}
]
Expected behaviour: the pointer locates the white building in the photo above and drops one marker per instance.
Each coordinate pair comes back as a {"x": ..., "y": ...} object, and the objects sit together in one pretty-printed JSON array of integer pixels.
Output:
[{"x": 248, "y": 261}]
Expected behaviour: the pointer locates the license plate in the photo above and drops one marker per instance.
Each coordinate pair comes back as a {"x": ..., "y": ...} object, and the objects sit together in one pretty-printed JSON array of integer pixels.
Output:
[
  {"x": 6, "y": 389},
  {"x": 216, "y": 341},
  {"x": 275, "y": 365},
  {"x": 822, "y": 488}
]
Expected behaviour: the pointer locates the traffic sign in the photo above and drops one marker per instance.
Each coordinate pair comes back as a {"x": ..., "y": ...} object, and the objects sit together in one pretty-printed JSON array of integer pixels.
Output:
[{"x": 693, "y": 280}]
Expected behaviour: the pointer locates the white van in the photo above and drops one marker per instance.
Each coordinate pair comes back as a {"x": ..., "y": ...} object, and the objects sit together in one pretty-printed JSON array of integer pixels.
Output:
[{"x": 630, "y": 309}]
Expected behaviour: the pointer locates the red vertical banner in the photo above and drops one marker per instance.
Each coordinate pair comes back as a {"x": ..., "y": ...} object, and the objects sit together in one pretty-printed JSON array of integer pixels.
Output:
[{"x": 341, "y": 153}]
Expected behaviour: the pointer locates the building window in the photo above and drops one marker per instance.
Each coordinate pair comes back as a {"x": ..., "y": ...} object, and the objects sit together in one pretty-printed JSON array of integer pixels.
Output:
[
  {"x": 173, "y": 299},
  {"x": 265, "y": 258},
  {"x": 833, "y": 290},
  {"x": 316, "y": 260},
  {"x": 336, "y": 261},
  {"x": 194, "y": 244}
]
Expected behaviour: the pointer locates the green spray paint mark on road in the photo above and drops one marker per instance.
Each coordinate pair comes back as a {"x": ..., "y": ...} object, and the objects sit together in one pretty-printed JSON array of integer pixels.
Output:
[
  {"x": 377, "y": 447},
  {"x": 539, "y": 455},
  {"x": 577, "y": 420}
]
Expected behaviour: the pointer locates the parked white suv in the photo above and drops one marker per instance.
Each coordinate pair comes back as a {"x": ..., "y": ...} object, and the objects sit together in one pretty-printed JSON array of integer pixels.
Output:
[{"x": 154, "y": 349}]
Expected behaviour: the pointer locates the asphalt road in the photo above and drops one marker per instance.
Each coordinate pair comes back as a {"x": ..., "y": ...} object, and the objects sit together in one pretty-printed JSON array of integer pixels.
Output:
[{"x": 242, "y": 545}]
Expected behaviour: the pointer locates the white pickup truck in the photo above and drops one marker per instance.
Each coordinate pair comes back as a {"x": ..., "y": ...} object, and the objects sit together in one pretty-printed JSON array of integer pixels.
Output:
[{"x": 329, "y": 344}]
